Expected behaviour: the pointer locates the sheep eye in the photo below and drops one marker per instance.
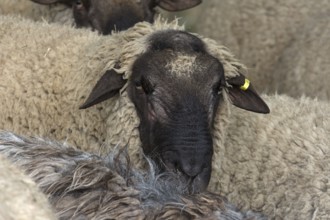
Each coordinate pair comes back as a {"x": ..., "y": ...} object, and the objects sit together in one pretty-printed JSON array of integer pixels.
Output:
[
  {"x": 144, "y": 85},
  {"x": 218, "y": 88},
  {"x": 78, "y": 2},
  {"x": 138, "y": 86}
]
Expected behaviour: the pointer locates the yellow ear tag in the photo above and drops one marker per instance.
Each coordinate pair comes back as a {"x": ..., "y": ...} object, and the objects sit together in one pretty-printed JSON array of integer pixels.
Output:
[{"x": 246, "y": 85}]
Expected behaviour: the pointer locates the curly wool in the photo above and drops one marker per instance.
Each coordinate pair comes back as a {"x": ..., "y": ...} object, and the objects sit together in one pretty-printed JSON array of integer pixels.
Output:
[
  {"x": 83, "y": 185},
  {"x": 20, "y": 197},
  {"x": 278, "y": 164}
]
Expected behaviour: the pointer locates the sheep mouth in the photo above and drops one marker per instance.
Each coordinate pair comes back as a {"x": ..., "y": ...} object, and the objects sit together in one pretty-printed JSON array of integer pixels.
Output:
[
  {"x": 198, "y": 183},
  {"x": 192, "y": 184}
]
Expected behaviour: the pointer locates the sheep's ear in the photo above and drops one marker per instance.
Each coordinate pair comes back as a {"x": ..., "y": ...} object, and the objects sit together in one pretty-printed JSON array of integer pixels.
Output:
[
  {"x": 107, "y": 87},
  {"x": 177, "y": 5},
  {"x": 48, "y": 2},
  {"x": 243, "y": 95},
  {"x": 45, "y": 2}
]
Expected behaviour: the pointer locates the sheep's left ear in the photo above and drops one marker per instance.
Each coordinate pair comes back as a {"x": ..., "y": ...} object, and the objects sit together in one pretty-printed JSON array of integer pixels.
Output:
[
  {"x": 243, "y": 95},
  {"x": 177, "y": 5},
  {"x": 108, "y": 86}
]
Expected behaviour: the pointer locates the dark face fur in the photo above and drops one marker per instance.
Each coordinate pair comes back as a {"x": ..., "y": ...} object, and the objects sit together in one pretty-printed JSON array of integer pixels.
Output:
[
  {"x": 175, "y": 88},
  {"x": 107, "y": 15}
]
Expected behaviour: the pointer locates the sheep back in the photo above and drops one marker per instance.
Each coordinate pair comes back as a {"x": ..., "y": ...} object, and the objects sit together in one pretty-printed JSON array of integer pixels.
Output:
[
  {"x": 284, "y": 43},
  {"x": 279, "y": 163}
]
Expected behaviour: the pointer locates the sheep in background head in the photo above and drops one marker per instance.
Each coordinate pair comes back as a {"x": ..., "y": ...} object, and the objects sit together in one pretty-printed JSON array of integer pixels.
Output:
[
  {"x": 168, "y": 88},
  {"x": 101, "y": 15},
  {"x": 81, "y": 185}
]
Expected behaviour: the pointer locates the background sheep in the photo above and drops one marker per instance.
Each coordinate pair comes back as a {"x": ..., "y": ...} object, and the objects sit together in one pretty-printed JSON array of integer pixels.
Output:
[
  {"x": 44, "y": 83},
  {"x": 285, "y": 43},
  {"x": 278, "y": 164},
  {"x": 20, "y": 199},
  {"x": 80, "y": 185},
  {"x": 103, "y": 16}
]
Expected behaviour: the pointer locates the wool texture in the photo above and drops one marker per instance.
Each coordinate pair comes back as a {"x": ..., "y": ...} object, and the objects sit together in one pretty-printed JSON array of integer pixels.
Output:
[
  {"x": 285, "y": 44},
  {"x": 20, "y": 198},
  {"x": 58, "y": 13},
  {"x": 80, "y": 185},
  {"x": 44, "y": 83},
  {"x": 279, "y": 163}
]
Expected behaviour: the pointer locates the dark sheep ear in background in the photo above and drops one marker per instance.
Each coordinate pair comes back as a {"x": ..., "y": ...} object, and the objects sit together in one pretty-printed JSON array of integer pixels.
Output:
[
  {"x": 47, "y": 2},
  {"x": 108, "y": 86},
  {"x": 177, "y": 5},
  {"x": 242, "y": 95}
]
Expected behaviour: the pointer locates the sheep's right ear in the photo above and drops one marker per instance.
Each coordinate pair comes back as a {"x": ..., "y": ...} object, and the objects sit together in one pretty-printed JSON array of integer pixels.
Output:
[
  {"x": 108, "y": 86},
  {"x": 242, "y": 94}
]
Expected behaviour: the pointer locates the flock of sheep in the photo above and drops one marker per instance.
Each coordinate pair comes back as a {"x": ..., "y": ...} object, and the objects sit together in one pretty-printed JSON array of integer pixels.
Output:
[{"x": 141, "y": 119}]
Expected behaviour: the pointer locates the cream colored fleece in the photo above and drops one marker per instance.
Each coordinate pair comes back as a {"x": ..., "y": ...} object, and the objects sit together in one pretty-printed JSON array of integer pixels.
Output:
[
  {"x": 19, "y": 197},
  {"x": 279, "y": 163},
  {"x": 26, "y": 8},
  {"x": 285, "y": 43}
]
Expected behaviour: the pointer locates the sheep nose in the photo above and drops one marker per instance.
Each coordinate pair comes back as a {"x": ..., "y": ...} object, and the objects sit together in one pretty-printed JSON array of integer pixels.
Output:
[
  {"x": 187, "y": 164},
  {"x": 191, "y": 169}
]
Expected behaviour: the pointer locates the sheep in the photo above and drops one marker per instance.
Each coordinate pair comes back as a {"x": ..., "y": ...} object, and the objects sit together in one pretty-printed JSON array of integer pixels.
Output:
[
  {"x": 285, "y": 42},
  {"x": 278, "y": 164},
  {"x": 102, "y": 16},
  {"x": 20, "y": 198},
  {"x": 81, "y": 185},
  {"x": 165, "y": 87},
  {"x": 302, "y": 68}
]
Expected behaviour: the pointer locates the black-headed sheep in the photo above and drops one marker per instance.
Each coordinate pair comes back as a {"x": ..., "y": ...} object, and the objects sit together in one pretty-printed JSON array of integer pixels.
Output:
[
  {"x": 103, "y": 16},
  {"x": 168, "y": 88},
  {"x": 81, "y": 185}
]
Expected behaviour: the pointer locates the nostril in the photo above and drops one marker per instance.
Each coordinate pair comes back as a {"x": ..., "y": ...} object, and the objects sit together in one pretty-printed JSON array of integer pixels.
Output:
[
  {"x": 191, "y": 170},
  {"x": 171, "y": 161}
]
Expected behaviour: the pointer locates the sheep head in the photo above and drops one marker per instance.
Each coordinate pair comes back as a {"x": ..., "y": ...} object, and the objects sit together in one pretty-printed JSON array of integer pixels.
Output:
[
  {"x": 176, "y": 87},
  {"x": 107, "y": 15}
]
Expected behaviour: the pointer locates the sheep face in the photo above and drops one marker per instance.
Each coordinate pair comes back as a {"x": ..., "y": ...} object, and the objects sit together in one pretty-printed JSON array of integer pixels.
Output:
[
  {"x": 107, "y": 15},
  {"x": 176, "y": 87}
]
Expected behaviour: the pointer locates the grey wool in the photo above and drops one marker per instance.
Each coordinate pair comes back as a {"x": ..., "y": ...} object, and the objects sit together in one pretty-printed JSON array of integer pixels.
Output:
[{"x": 80, "y": 185}]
